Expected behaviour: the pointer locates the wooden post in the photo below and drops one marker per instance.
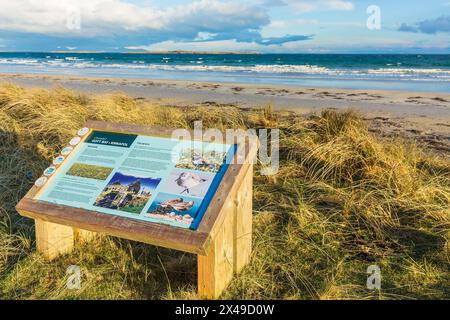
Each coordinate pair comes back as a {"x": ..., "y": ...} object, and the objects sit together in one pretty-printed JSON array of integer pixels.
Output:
[
  {"x": 243, "y": 222},
  {"x": 53, "y": 239},
  {"x": 215, "y": 270},
  {"x": 232, "y": 246},
  {"x": 82, "y": 236}
]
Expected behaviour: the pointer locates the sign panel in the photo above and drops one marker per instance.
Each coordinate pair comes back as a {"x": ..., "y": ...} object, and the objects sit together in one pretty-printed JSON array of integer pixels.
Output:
[{"x": 154, "y": 179}]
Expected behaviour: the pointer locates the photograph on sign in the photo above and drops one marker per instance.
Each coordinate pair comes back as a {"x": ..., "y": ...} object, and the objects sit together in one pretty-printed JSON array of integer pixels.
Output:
[{"x": 154, "y": 179}]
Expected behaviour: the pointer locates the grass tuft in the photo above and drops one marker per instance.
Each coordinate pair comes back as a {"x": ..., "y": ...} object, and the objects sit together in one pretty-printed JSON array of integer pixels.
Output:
[{"x": 342, "y": 200}]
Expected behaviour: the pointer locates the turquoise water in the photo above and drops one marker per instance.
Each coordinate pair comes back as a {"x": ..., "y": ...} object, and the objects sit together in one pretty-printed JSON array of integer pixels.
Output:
[{"x": 396, "y": 72}]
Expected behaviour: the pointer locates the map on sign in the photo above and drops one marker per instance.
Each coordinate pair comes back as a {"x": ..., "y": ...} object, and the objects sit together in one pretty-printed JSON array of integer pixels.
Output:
[{"x": 154, "y": 179}]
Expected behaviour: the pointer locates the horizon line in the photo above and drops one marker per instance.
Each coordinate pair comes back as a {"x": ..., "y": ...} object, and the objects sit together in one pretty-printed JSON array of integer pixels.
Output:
[{"x": 223, "y": 52}]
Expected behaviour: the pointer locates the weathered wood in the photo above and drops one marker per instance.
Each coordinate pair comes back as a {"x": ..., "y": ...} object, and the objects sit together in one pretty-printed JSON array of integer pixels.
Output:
[
  {"x": 215, "y": 270},
  {"x": 243, "y": 222},
  {"x": 231, "y": 247},
  {"x": 131, "y": 128},
  {"x": 131, "y": 229},
  {"x": 227, "y": 191},
  {"x": 82, "y": 236},
  {"x": 142, "y": 129},
  {"x": 53, "y": 239}
]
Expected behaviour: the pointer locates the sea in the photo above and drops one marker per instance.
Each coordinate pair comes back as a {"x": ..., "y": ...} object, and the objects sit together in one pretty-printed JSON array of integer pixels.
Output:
[{"x": 412, "y": 72}]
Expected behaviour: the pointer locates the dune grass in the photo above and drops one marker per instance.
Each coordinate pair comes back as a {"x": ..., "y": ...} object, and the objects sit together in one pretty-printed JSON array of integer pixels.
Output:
[{"x": 342, "y": 200}]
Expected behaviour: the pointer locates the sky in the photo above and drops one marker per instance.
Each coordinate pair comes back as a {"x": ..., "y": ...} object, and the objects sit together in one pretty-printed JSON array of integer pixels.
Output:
[{"x": 266, "y": 26}]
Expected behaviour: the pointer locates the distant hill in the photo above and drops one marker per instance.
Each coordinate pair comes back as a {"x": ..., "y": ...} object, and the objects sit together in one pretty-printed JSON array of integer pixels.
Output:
[
  {"x": 159, "y": 52},
  {"x": 192, "y": 52}
]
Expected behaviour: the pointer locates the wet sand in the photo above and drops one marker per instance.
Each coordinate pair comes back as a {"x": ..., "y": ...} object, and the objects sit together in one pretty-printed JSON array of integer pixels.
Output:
[{"x": 422, "y": 116}]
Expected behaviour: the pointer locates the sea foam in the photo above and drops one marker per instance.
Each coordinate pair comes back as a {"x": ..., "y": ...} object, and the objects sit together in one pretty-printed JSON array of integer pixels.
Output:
[{"x": 201, "y": 66}]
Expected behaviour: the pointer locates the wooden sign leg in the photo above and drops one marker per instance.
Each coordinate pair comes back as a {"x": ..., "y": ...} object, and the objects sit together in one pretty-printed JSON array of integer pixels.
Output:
[
  {"x": 243, "y": 222},
  {"x": 53, "y": 239},
  {"x": 231, "y": 249},
  {"x": 81, "y": 236},
  {"x": 215, "y": 270}
]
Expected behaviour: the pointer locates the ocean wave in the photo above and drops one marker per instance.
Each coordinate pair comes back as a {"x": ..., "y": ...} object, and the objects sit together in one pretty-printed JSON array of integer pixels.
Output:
[
  {"x": 201, "y": 66},
  {"x": 305, "y": 69},
  {"x": 28, "y": 62},
  {"x": 404, "y": 71},
  {"x": 194, "y": 66}
]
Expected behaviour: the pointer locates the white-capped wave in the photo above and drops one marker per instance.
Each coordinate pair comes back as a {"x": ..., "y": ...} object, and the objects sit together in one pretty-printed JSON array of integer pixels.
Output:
[
  {"x": 19, "y": 61},
  {"x": 271, "y": 69},
  {"x": 194, "y": 66},
  {"x": 405, "y": 71},
  {"x": 251, "y": 68}
]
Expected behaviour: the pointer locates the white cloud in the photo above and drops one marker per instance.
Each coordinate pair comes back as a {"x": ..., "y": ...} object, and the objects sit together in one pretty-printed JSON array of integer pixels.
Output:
[
  {"x": 278, "y": 24},
  {"x": 204, "y": 36},
  {"x": 303, "y": 6},
  {"x": 101, "y": 17},
  {"x": 196, "y": 24},
  {"x": 52, "y": 16},
  {"x": 360, "y": 43}
]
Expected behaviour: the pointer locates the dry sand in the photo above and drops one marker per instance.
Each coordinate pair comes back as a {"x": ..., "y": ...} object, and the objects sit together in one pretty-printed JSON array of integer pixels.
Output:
[{"x": 422, "y": 116}]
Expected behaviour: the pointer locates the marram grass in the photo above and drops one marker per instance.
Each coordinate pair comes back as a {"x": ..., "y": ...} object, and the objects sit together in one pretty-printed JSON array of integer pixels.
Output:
[{"x": 342, "y": 200}]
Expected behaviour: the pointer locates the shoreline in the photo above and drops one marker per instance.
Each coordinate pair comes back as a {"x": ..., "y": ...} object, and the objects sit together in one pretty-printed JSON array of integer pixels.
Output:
[
  {"x": 214, "y": 85},
  {"x": 423, "y": 116}
]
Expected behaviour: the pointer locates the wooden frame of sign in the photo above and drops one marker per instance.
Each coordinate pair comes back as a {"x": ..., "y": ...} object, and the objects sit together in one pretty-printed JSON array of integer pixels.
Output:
[{"x": 223, "y": 240}]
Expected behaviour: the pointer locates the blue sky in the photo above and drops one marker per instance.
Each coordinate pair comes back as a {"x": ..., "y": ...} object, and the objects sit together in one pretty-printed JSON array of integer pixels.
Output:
[{"x": 316, "y": 26}]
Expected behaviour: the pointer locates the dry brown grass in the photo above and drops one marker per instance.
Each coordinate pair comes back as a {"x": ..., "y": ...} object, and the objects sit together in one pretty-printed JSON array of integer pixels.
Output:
[{"x": 342, "y": 200}]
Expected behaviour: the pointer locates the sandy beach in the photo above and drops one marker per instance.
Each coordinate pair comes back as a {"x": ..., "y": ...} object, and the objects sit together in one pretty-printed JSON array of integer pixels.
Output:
[{"x": 422, "y": 116}]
